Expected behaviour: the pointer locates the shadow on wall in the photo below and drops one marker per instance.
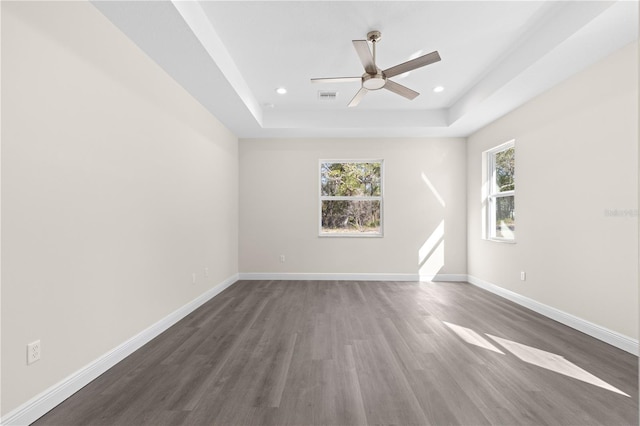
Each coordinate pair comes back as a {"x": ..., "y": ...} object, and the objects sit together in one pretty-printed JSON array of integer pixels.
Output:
[{"x": 431, "y": 253}]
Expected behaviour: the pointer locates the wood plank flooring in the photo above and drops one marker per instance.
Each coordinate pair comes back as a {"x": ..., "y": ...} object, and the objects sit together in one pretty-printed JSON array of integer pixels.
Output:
[{"x": 361, "y": 353}]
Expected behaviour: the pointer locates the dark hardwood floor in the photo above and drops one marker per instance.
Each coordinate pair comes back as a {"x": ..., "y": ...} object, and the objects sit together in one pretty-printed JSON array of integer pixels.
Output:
[{"x": 356, "y": 353}]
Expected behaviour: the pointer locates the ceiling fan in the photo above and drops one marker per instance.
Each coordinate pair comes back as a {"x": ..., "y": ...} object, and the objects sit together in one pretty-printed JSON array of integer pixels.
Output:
[{"x": 374, "y": 78}]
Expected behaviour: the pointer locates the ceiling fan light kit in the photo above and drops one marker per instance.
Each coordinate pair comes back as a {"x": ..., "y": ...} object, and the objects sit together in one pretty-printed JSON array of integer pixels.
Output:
[{"x": 374, "y": 78}]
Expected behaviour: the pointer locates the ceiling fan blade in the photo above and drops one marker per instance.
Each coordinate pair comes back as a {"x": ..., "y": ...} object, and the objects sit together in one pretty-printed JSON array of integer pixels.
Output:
[
  {"x": 421, "y": 61},
  {"x": 336, "y": 79},
  {"x": 400, "y": 89},
  {"x": 358, "y": 97},
  {"x": 362, "y": 47}
]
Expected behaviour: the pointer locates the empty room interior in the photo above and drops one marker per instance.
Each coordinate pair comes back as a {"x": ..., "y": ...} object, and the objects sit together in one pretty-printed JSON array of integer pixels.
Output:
[{"x": 319, "y": 213}]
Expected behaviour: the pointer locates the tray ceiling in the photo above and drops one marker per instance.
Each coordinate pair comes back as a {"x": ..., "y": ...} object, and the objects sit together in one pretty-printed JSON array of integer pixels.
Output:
[{"x": 232, "y": 55}]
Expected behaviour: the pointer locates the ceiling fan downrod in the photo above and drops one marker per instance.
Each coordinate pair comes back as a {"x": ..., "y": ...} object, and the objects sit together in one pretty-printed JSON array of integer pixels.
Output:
[
  {"x": 374, "y": 37},
  {"x": 375, "y": 80}
]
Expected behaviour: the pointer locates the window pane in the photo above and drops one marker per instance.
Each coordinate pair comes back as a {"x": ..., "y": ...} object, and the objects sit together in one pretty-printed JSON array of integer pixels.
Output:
[
  {"x": 351, "y": 216},
  {"x": 505, "y": 169},
  {"x": 505, "y": 217},
  {"x": 350, "y": 179}
]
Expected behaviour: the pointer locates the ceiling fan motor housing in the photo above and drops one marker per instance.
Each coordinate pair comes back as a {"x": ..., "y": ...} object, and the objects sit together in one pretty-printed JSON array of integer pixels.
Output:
[{"x": 373, "y": 81}]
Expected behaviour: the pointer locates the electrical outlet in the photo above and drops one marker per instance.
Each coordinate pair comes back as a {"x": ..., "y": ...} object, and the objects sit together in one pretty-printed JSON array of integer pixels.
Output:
[
  {"x": 193, "y": 278},
  {"x": 282, "y": 258},
  {"x": 523, "y": 276},
  {"x": 33, "y": 352},
  {"x": 206, "y": 272}
]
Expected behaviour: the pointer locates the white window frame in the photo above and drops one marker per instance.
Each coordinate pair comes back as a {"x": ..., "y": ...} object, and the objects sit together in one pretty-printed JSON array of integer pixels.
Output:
[
  {"x": 493, "y": 193},
  {"x": 328, "y": 198}
]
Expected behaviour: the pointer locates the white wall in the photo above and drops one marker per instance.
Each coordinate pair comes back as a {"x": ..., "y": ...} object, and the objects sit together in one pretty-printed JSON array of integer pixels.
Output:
[
  {"x": 279, "y": 207},
  {"x": 576, "y": 158},
  {"x": 116, "y": 186}
]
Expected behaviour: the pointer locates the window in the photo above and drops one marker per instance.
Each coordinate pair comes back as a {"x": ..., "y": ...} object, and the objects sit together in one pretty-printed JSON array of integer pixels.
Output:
[
  {"x": 351, "y": 198},
  {"x": 501, "y": 187}
]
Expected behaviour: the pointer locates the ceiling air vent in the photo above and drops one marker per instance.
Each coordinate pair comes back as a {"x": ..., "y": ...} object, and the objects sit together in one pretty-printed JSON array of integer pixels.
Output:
[{"x": 324, "y": 95}]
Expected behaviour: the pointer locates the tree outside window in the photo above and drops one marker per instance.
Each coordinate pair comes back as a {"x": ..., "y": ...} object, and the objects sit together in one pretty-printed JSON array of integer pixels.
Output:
[
  {"x": 351, "y": 198},
  {"x": 501, "y": 195}
]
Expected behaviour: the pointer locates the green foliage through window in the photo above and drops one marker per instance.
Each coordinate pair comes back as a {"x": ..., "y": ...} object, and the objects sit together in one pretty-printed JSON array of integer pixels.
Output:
[
  {"x": 501, "y": 212},
  {"x": 351, "y": 197},
  {"x": 505, "y": 170}
]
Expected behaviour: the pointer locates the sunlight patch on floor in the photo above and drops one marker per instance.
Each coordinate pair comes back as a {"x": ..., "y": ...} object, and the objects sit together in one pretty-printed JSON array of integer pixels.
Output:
[
  {"x": 472, "y": 337},
  {"x": 553, "y": 362},
  {"x": 531, "y": 355}
]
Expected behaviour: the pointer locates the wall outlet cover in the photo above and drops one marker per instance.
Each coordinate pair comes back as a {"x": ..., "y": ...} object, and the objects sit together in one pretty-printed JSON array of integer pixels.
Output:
[{"x": 33, "y": 352}]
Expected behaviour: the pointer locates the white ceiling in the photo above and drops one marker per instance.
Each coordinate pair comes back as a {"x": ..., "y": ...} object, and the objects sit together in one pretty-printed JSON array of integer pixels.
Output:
[{"x": 496, "y": 55}]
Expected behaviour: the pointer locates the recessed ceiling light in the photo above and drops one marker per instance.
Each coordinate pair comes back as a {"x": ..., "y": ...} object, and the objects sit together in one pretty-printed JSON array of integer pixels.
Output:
[
  {"x": 438, "y": 89},
  {"x": 281, "y": 90}
]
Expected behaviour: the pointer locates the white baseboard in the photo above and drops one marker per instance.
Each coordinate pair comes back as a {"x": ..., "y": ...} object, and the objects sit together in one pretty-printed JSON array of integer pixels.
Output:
[
  {"x": 444, "y": 277},
  {"x": 272, "y": 276},
  {"x": 45, "y": 401},
  {"x": 601, "y": 333}
]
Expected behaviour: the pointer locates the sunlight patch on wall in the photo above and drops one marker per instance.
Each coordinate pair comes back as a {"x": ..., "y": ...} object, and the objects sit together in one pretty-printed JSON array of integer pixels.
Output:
[
  {"x": 433, "y": 189},
  {"x": 431, "y": 254}
]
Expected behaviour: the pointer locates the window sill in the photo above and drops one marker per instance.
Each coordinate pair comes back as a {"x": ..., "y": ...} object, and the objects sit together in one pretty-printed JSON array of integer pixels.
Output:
[
  {"x": 498, "y": 240},
  {"x": 338, "y": 235}
]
